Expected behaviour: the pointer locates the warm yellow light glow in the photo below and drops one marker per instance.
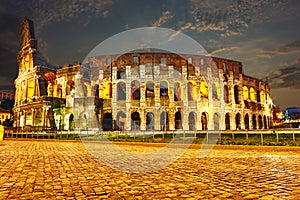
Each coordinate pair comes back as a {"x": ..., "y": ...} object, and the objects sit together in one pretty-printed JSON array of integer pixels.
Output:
[
  {"x": 30, "y": 91},
  {"x": 262, "y": 96},
  {"x": 216, "y": 90},
  {"x": 245, "y": 93},
  {"x": 252, "y": 94},
  {"x": 204, "y": 89},
  {"x": 192, "y": 87},
  {"x": 106, "y": 91}
]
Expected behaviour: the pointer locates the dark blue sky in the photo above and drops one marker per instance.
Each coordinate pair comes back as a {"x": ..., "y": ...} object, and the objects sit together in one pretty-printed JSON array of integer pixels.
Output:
[{"x": 263, "y": 34}]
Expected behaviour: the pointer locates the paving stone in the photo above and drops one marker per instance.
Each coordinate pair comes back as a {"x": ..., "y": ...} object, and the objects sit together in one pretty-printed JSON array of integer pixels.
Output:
[{"x": 66, "y": 170}]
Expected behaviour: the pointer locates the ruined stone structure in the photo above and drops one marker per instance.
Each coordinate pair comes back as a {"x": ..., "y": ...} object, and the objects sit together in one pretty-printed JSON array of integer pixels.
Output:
[
  {"x": 138, "y": 91},
  {"x": 41, "y": 89}
]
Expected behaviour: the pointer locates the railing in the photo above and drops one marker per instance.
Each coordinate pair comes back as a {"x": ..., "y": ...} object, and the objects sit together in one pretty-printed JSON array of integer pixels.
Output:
[{"x": 276, "y": 137}]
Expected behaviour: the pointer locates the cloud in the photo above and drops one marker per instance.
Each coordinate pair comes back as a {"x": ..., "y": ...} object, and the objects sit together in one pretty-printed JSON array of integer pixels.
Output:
[
  {"x": 286, "y": 77},
  {"x": 289, "y": 48},
  {"x": 166, "y": 15},
  {"x": 231, "y": 18}
]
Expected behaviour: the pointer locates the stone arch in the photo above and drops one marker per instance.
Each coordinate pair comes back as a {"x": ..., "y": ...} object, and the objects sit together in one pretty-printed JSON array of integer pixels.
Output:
[
  {"x": 150, "y": 121},
  {"x": 135, "y": 121},
  {"x": 177, "y": 91},
  {"x": 260, "y": 122},
  {"x": 69, "y": 86},
  {"x": 164, "y": 121},
  {"x": 254, "y": 124},
  {"x": 227, "y": 121},
  {"x": 149, "y": 92},
  {"x": 121, "y": 121},
  {"x": 28, "y": 119},
  {"x": 84, "y": 120},
  {"x": 216, "y": 90},
  {"x": 107, "y": 90},
  {"x": 252, "y": 94},
  {"x": 204, "y": 121},
  {"x": 236, "y": 94},
  {"x": 265, "y": 122},
  {"x": 204, "y": 89},
  {"x": 121, "y": 91},
  {"x": 164, "y": 89},
  {"x": 135, "y": 90},
  {"x": 38, "y": 120},
  {"x": 238, "y": 121},
  {"x": 245, "y": 93},
  {"x": 216, "y": 119},
  {"x": 107, "y": 122},
  {"x": 178, "y": 120},
  {"x": 95, "y": 90},
  {"x": 192, "y": 121},
  {"x": 262, "y": 97},
  {"x": 226, "y": 94},
  {"x": 192, "y": 91},
  {"x": 246, "y": 120}
]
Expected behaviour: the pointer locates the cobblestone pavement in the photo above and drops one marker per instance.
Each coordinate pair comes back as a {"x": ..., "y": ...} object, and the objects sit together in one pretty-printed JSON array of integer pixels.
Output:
[{"x": 66, "y": 170}]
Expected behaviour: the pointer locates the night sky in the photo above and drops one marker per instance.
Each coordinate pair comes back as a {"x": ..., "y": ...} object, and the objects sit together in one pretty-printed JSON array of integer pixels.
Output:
[{"x": 263, "y": 34}]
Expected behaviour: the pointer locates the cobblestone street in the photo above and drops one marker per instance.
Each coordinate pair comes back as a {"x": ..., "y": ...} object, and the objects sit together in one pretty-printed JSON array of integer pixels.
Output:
[{"x": 66, "y": 170}]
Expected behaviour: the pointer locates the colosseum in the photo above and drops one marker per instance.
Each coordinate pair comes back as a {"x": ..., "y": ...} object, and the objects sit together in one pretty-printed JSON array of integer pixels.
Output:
[{"x": 137, "y": 91}]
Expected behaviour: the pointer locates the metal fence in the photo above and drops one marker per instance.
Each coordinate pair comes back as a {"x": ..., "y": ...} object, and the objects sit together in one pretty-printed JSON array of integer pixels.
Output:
[{"x": 275, "y": 137}]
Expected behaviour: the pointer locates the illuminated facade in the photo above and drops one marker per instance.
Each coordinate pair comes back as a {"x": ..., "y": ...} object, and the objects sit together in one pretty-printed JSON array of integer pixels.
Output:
[{"x": 138, "y": 91}]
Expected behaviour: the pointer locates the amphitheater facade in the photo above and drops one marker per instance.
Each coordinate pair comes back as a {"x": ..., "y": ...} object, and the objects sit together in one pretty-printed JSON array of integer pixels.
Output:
[{"x": 137, "y": 91}]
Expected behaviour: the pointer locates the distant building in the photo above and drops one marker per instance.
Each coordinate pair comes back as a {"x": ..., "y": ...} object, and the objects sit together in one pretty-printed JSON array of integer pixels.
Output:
[
  {"x": 128, "y": 91},
  {"x": 292, "y": 113},
  {"x": 4, "y": 116}
]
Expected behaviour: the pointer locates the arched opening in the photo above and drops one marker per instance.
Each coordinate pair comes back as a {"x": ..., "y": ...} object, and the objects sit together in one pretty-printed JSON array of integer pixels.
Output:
[
  {"x": 135, "y": 121},
  {"x": 252, "y": 94},
  {"x": 226, "y": 94},
  {"x": 254, "y": 124},
  {"x": 178, "y": 122},
  {"x": 121, "y": 91},
  {"x": 203, "y": 90},
  {"x": 265, "y": 122},
  {"x": 84, "y": 121},
  {"x": 204, "y": 121},
  {"x": 121, "y": 73},
  {"x": 191, "y": 91},
  {"x": 238, "y": 121},
  {"x": 69, "y": 87},
  {"x": 245, "y": 93},
  {"x": 216, "y": 91},
  {"x": 28, "y": 121},
  {"x": 58, "y": 91},
  {"x": 192, "y": 121},
  {"x": 236, "y": 94},
  {"x": 164, "y": 87},
  {"x": 135, "y": 90},
  {"x": 71, "y": 122},
  {"x": 107, "y": 90},
  {"x": 262, "y": 97},
  {"x": 260, "y": 122},
  {"x": 38, "y": 121},
  {"x": 227, "y": 121},
  {"x": 121, "y": 121},
  {"x": 246, "y": 119},
  {"x": 177, "y": 91},
  {"x": 95, "y": 91},
  {"x": 149, "y": 121},
  {"x": 216, "y": 121},
  {"x": 258, "y": 96},
  {"x": 149, "y": 89},
  {"x": 107, "y": 122},
  {"x": 149, "y": 93},
  {"x": 164, "y": 121}
]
